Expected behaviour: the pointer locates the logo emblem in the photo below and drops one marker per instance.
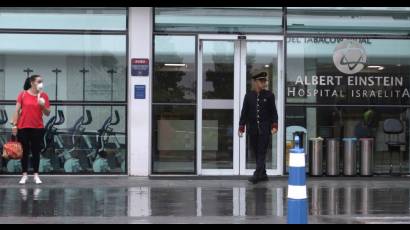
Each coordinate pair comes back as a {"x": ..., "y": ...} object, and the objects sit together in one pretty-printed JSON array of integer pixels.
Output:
[{"x": 349, "y": 57}]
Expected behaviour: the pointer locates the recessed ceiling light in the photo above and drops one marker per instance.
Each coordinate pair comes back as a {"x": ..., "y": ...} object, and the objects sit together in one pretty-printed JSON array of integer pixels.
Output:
[
  {"x": 375, "y": 67},
  {"x": 176, "y": 65}
]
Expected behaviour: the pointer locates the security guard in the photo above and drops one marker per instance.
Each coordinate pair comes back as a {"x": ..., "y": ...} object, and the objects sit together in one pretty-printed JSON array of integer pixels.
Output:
[{"x": 260, "y": 117}]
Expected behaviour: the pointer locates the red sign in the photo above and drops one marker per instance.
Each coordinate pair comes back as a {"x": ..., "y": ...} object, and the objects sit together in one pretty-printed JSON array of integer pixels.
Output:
[
  {"x": 140, "y": 61},
  {"x": 140, "y": 67}
]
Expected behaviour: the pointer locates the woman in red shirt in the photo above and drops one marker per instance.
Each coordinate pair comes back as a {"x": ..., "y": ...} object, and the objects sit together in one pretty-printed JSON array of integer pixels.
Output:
[{"x": 28, "y": 123}]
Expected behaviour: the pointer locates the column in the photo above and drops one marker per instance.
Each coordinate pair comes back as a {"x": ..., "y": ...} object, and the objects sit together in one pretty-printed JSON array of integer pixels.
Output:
[{"x": 140, "y": 27}]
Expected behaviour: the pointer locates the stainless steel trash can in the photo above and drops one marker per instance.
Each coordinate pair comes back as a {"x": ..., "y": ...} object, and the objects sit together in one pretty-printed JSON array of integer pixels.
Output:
[
  {"x": 316, "y": 156},
  {"x": 366, "y": 156},
  {"x": 332, "y": 157},
  {"x": 350, "y": 157}
]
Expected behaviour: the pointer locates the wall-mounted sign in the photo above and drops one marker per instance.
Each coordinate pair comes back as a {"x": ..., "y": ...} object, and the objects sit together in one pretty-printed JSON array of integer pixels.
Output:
[
  {"x": 140, "y": 67},
  {"x": 326, "y": 40},
  {"x": 349, "y": 57},
  {"x": 348, "y": 83},
  {"x": 139, "y": 91}
]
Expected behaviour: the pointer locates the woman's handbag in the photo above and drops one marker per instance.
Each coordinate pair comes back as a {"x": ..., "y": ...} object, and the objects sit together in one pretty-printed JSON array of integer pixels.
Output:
[{"x": 13, "y": 150}]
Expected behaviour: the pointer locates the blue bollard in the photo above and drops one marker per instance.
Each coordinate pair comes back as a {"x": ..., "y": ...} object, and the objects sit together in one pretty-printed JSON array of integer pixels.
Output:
[{"x": 297, "y": 191}]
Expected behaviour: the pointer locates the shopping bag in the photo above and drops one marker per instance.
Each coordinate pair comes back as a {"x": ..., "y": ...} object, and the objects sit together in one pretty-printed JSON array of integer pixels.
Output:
[{"x": 12, "y": 149}]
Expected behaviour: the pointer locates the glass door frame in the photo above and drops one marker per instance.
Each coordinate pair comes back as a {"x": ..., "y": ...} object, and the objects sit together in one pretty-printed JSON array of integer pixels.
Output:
[
  {"x": 239, "y": 144},
  {"x": 280, "y": 105}
]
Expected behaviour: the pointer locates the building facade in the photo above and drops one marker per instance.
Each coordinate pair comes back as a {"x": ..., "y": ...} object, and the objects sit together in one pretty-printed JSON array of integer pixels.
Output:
[{"x": 152, "y": 91}]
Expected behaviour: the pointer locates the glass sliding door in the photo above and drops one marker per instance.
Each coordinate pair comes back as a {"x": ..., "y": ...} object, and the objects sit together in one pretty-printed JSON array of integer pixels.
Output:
[
  {"x": 225, "y": 66},
  {"x": 261, "y": 56},
  {"x": 219, "y": 76}
]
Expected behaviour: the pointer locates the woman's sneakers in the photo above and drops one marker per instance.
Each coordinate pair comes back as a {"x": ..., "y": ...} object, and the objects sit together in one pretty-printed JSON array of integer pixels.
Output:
[
  {"x": 37, "y": 180},
  {"x": 24, "y": 179}
]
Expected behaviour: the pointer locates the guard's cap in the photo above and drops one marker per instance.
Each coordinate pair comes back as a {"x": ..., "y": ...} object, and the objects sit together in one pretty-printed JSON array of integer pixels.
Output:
[{"x": 261, "y": 76}]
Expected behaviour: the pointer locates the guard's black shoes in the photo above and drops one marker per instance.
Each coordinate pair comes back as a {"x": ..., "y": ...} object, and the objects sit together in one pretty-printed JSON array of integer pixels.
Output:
[
  {"x": 253, "y": 179},
  {"x": 264, "y": 178}
]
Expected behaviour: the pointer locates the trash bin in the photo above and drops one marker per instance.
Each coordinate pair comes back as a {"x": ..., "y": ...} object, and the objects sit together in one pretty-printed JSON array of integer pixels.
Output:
[
  {"x": 366, "y": 156},
  {"x": 350, "y": 157},
  {"x": 316, "y": 156},
  {"x": 332, "y": 157}
]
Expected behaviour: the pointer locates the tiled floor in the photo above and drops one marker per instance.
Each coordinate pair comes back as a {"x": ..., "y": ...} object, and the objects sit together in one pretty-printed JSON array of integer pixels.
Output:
[{"x": 141, "y": 200}]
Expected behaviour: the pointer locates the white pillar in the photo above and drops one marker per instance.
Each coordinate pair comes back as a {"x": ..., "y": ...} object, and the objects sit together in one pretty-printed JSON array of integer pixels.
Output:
[{"x": 140, "y": 28}]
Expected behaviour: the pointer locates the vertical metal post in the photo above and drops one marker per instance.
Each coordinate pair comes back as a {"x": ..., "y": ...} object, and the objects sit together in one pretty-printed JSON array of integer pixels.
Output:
[
  {"x": 112, "y": 72},
  {"x": 84, "y": 71}
]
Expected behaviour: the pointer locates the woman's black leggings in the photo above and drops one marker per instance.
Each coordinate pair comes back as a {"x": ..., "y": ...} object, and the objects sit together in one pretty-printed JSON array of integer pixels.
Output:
[{"x": 32, "y": 141}]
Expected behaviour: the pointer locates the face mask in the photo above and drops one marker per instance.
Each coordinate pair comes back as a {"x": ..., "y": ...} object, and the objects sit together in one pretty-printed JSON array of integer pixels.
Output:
[{"x": 40, "y": 86}]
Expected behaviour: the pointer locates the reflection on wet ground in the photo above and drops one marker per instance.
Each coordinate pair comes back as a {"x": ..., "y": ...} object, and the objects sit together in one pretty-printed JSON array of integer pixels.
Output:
[{"x": 140, "y": 200}]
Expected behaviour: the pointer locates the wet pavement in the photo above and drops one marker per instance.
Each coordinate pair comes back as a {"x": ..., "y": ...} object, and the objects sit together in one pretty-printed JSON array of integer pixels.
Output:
[{"x": 117, "y": 199}]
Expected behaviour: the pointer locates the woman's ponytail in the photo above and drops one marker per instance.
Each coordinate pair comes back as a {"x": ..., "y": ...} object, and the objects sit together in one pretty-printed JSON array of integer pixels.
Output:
[{"x": 27, "y": 84}]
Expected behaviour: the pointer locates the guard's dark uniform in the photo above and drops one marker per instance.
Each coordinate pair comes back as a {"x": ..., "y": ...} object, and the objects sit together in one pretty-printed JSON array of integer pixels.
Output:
[{"x": 259, "y": 115}]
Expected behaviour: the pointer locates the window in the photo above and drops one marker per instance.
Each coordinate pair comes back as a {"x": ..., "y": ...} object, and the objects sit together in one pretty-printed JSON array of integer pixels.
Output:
[
  {"x": 75, "y": 67},
  {"x": 223, "y": 19},
  {"x": 174, "y": 70},
  {"x": 174, "y": 139},
  {"x": 63, "y": 18},
  {"x": 85, "y": 76},
  {"x": 174, "y": 105},
  {"x": 343, "y": 88},
  {"x": 355, "y": 20},
  {"x": 353, "y": 122},
  {"x": 338, "y": 71}
]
